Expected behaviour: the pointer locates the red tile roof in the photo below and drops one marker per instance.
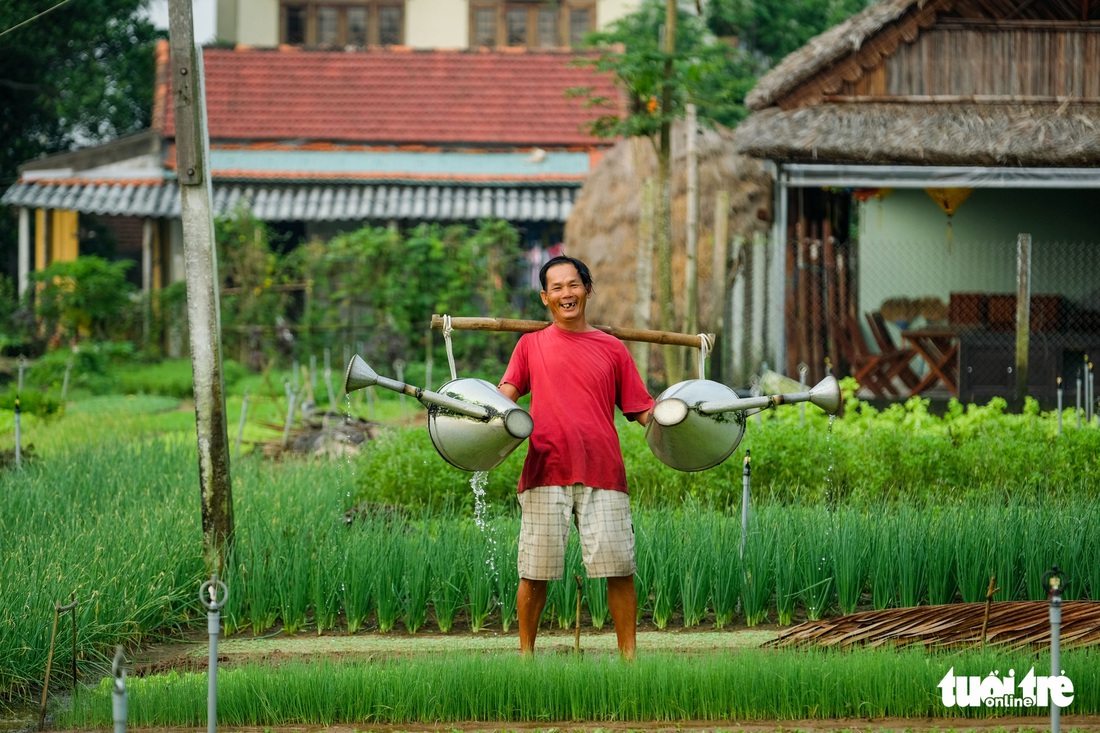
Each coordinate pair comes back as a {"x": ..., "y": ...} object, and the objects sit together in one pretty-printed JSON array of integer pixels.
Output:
[{"x": 400, "y": 97}]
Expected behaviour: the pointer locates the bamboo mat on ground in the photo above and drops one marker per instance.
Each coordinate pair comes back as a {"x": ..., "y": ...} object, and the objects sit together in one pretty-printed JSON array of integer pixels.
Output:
[{"x": 1011, "y": 623}]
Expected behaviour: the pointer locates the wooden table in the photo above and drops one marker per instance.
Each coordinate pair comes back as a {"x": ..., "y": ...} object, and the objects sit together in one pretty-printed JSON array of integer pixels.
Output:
[{"x": 939, "y": 348}]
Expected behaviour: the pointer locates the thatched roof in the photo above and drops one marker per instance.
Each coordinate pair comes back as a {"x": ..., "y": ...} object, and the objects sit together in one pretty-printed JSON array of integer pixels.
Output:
[
  {"x": 603, "y": 228},
  {"x": 927, "y": 134},
  {"x": 826, "y": 49}
]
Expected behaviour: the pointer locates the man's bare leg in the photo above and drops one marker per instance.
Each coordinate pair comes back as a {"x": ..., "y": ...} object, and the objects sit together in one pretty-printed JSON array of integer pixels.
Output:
[
  {"x": 530, "y": 600},
  {"x": 622, "y": 601}
]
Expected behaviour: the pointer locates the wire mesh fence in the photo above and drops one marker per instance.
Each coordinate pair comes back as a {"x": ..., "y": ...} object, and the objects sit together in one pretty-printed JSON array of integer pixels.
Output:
[{"x": 941, "y": 318}]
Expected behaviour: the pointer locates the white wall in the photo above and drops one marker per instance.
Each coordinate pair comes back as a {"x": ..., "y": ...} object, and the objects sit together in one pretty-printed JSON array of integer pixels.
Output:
[
  {"x": 437, "y": 23},
  {"x": 905, "y": 250},
  {"x": 428, "y": 23},
  {"x": 257, "y": 23},
  {"x": 608, "y": 11}
]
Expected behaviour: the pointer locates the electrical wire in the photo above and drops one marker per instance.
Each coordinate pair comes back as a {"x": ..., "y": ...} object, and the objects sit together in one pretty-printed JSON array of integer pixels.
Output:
[{"x": 33, "y": 18}]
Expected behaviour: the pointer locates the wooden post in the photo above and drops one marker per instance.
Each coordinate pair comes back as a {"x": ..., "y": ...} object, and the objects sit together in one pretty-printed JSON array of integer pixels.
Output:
[
  {"x": 146, "y": 279},
  {"x": 643, "y": 283},
  {"x": 691, "y": 285},
  {"x": 790, "y": 310},
  {"x": 1023, "y": 314},
  {"x": 24, "y": 256},
  {"x": 200, "y": 261},
  {"x": 832, "y": 305},
  {"x": 719, "y": 258},
  {"x": 758, "y": 288},
  {"x": 817, "y": 349},
  {"x": 577, "y": 620},
  {"x": 664, "y": 198},
  {"x": 988, "y": 604},
  {"x": 802, "y": 319}
]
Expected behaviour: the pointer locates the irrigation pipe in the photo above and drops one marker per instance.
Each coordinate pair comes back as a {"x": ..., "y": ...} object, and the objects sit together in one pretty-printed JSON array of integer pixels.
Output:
[
  {"x": 118, "y": 693},
  {"x": 1055, "y": 585},
  {"x": 212, "y": 595},
  {"x": 517, "y": 325}
]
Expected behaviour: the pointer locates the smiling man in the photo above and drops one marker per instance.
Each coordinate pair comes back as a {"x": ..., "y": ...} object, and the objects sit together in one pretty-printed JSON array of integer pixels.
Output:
[{"x": 574, "y": 474}]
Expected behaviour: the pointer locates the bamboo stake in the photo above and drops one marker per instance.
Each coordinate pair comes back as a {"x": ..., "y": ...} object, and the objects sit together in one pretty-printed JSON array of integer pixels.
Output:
[
  {"x": 577, "y": 635},
  {"x": 988, "y": 604},
  {"x": 518, "y": 325}
]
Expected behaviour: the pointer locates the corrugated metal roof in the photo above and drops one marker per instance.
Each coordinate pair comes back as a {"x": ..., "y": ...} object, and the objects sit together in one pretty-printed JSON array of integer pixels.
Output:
[{"x": 307, "y": 202}]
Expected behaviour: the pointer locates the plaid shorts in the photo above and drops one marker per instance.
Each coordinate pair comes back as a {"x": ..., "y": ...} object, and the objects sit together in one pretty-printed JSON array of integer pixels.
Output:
[{"x": 603, "y": 523}]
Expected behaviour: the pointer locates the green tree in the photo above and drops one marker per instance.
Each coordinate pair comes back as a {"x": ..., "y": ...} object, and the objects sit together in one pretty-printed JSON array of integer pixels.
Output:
[
  {"x": 664, "y": 58},
  {"x": 705, "y": 70},
  {"x": 77, "y": 75},
  {"x": 774, "y": 28},
  {"x": 87, "y": 297}
]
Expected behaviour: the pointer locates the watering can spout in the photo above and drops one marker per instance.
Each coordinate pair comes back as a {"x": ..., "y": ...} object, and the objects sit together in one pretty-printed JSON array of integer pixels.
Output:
[
  {"x": 359, "y": 375},
  {"x": 825, "y": 394}
]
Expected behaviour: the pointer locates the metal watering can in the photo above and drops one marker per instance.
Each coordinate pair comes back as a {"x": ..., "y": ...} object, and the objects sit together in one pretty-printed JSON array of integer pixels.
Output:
[
  {"x": 472, "y": 425},
  {"x": 697, "y": 424}
]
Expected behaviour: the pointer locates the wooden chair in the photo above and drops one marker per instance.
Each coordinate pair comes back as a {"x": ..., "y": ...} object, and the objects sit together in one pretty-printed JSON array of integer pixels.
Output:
[
  {"x": 898, "y": 357},
  {"x": 868, "y": 368}
]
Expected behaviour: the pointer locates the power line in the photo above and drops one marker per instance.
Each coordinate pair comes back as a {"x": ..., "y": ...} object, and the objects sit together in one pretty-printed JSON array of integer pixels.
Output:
[{"x": 33, "y": 18}]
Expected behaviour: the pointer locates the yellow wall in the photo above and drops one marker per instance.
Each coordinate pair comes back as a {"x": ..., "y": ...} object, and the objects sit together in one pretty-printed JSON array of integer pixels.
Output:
[{"x": 56, "y": 237}]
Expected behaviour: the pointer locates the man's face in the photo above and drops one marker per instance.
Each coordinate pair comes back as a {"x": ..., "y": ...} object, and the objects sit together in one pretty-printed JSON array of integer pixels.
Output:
[{"x": 565, "y": 296}]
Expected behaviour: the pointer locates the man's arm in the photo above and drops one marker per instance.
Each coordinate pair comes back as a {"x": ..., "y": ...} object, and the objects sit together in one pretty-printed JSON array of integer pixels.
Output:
[
  {"x": 640, "y": 417},
  {"x": 509, "y": 390}
]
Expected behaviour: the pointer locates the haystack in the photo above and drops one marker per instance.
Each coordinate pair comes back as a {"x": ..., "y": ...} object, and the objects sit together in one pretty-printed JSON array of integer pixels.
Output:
[{"x": 603, "y": 229}]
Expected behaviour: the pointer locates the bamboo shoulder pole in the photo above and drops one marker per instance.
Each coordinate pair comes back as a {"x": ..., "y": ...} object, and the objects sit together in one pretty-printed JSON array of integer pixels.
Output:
[{"x": 522, "y": 326}]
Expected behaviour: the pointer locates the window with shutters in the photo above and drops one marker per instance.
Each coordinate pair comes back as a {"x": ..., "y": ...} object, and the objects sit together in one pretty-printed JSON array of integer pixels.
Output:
[
  {"x": 533, "y": 24},
  {"x": 336, "y": 24}
]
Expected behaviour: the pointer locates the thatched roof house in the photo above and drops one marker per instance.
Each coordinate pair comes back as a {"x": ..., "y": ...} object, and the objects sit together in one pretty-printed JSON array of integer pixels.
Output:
[
  {"x": 603, "y": 228},
  {"x": 938, "y": 82},
  {"x": 912, "y": 107}
]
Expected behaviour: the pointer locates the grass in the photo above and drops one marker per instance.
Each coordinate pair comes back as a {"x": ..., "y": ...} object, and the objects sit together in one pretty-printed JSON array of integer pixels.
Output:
[
  {"x": 108, "y": 511},
  {"x": 738, "y": 686},
  {"x": 118, "y": 527}
]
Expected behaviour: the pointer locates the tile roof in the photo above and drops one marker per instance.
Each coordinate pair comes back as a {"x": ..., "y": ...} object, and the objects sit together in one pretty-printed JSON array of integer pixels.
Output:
[{"x": 453, "y": 98}]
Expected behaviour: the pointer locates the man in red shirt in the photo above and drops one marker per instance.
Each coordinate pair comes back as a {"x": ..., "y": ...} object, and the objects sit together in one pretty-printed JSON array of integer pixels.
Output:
[{"x": 577, "y": 375}]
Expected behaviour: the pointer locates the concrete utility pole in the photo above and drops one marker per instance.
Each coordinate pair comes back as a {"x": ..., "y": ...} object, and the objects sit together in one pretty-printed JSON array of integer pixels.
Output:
[{"x": 201, "y": 266}]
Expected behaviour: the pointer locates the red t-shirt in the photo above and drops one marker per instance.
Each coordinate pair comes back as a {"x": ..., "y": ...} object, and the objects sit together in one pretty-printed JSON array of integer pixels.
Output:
[{"x": 576, "y": 381}]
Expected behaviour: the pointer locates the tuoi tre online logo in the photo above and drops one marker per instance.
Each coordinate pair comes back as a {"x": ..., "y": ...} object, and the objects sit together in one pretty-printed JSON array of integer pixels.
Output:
[{"x": 1005, "y": 692}]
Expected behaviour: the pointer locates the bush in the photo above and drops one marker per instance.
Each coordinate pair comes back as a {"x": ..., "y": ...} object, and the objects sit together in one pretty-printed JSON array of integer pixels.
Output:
[
  {"x": 85, "y": 297},
  {"x": 171, "y": 378},
  {"x": 91, "y": 368},
  {"x": 867, "y": 456},
  {"x": 31, "y": 402}
]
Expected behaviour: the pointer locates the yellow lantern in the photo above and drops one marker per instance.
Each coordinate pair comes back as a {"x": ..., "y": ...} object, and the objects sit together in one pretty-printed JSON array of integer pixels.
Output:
[{"x": 949, "y": 200}]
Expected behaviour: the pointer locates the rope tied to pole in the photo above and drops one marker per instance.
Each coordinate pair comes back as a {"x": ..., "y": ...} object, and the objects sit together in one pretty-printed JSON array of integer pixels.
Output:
[
  {"x": 447, "y": 329},
  {"x": 705, "y": 346}
]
